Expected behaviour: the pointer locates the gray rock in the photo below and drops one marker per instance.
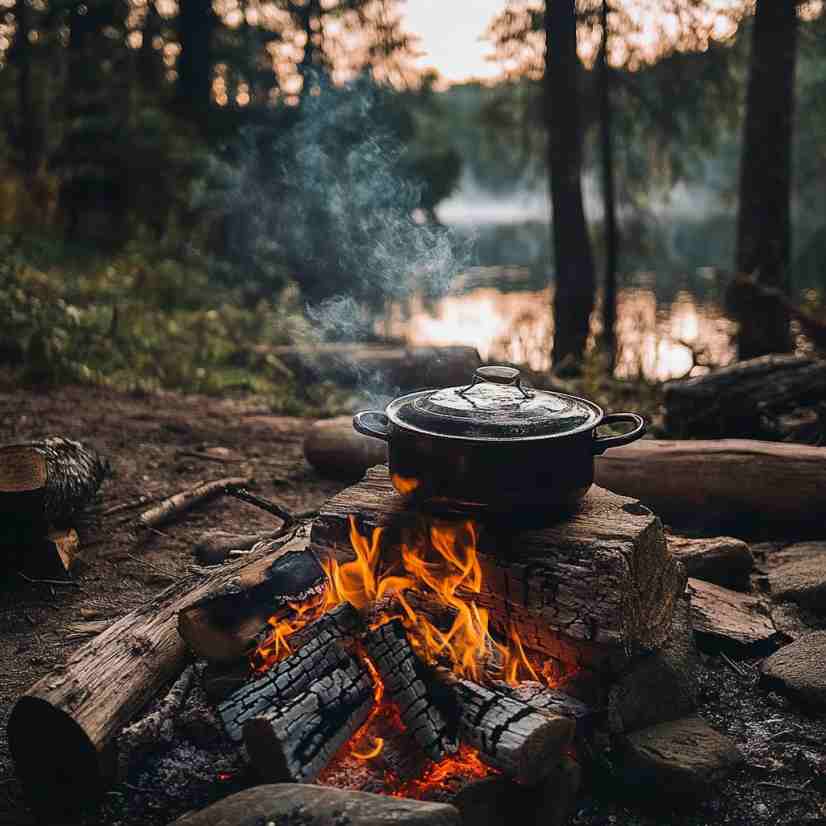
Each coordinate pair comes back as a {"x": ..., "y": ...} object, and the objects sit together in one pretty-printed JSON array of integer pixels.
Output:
[
  {"x": 661, "y": 686},
  {"x": 797, "y": 574},
  {"x": 679, "y": 759},
  {"x": 723, "y": 560},
  {"x": 295, "y": 804},
  {"x": 799, "y": 669}
]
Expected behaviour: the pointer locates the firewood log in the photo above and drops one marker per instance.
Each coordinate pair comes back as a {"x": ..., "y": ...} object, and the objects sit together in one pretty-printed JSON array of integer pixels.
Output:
[
  {"x": 294, "y": 742},
  {"x": 223, "y": 624},
  {"x": 588, "y": 590},
  {"x": 406, "y": 685},
  {"x": 521, "y": 741},
  {"x": 83, "y": 704},
  {"x": 737, "y": 483},
  {"x": 49, "y": 480},
  {"x": 315, "y": 656}
]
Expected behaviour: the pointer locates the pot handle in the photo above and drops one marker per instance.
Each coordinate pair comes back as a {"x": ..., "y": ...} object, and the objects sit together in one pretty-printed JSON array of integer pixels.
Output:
[
  {"x": 381, "y": 430},
  {"x": 602, "y": 443}
]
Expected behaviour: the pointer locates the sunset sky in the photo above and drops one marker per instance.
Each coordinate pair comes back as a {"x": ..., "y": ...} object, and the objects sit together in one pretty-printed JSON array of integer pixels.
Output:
[{"x": 451, "y": 32}]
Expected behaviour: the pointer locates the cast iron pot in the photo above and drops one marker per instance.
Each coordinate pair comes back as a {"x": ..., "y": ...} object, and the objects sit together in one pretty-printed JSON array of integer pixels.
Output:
[{"x": 494, "y": 444}]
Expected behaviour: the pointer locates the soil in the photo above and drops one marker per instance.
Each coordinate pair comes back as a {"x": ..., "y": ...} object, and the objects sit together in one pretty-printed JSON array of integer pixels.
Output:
[{"x": 153, "y": 444}]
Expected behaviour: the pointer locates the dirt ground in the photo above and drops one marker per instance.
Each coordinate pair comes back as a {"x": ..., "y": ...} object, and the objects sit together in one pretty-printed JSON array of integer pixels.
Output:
[{"x": 152, "y": 442}]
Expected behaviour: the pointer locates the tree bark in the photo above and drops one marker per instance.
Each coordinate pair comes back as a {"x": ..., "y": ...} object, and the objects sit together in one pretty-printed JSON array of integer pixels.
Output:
[
  {"x": 574, "y": 291},
  {"x": 83, "y": 704},
  {"x": 609, "y": 287},
  {"x": 764, "y": 222}
]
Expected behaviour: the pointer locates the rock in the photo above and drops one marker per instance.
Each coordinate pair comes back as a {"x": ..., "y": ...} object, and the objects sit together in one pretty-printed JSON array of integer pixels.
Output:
[
  {"x": 494, "y": 800},
  {"x": 308, "y": 805},
  {"x": 793, "y": 621},
  {"x": 679, "y": 759},
  {"x": 660, "y": 686},
  {"x": 722, "y": 560},
  {"x": 799, "y": 669},
  {"x": 725, "y": 620},
  {"x": 797, "y": 574}
]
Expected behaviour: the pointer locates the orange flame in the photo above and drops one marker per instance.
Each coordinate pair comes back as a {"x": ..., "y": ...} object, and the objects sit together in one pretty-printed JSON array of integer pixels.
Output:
[
  {"x": 374, "y": 752},
  {"x": 465, "y": 763},
  {"x": 404, "y": 484}
]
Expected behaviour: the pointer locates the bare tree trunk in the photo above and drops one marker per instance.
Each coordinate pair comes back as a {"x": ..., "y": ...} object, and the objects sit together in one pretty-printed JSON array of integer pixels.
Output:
[
  {"x": 609, "y": 295},
  {"x": 764, "y": 224},
  {"x": 574, "y": 297}
]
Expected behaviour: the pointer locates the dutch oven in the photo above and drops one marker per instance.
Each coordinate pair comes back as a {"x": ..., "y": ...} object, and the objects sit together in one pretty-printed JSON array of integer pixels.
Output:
[{"x": 495, "y": 443}]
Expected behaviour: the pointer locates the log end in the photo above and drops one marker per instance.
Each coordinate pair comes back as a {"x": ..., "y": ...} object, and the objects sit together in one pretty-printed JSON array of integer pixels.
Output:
[
  {"x": 543, "y": 749},
  {"x": 265, "y": 752},
  {"x": 55, "y": 759}
]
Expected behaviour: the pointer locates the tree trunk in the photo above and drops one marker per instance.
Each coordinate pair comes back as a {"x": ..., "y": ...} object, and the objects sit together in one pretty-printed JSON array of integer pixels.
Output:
[
  {"x": 609, "y": 294},
  {"x": 574, "y": 295},
  {"x": 196, "y": 22},
  {"x": 764, "y": 224}
]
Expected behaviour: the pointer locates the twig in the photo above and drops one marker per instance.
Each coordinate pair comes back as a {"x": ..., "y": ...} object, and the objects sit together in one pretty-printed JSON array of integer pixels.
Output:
[
  {"x": 70, "y": 582},
  {"x": 128, "y": 506},
  {"x": 155, "y": 568},
  {"x": 780, "y": 734},
  {"x": 769, "y": 785},
  {"x": 240, "y": 492},
  {"x": 734, "y": 667},
  {"x": 181, "y": 502},
  {"x": 197, "y": 454}
]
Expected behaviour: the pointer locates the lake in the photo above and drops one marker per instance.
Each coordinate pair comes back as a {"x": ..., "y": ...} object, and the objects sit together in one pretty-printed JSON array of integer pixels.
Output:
[{"x": 500, "y": 311}]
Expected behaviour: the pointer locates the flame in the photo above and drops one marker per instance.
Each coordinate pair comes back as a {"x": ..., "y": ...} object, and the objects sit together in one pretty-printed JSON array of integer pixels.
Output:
[
  {"x": 374, "y": 752},
  {"x": 465, "y": 763},
  {"x": 404, "y": 484}
]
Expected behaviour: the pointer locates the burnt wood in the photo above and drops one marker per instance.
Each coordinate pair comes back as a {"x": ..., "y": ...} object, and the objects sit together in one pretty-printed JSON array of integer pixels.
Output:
[
  {"x": 589, "y": 589},
  {"x": 84, "y": 703},
  {"x": 315, "y": 656},
  {"x": 294, "y": 742},
  {"x": 223, "y": 624},
  {"x": 523, "y": 742},
  {"x": 49, "y": 480},
  {"x": 406, "y": 685},
  {"x": 555, "y": 702}
]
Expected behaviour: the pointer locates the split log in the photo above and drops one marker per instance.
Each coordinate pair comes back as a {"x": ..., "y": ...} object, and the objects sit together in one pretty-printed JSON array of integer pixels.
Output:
[
  {"x": 722, "y": 560},
  {"x": 743, "y": 399},
  {"x": 295, "y": 742},
  {"x": 336, "y": 450},
  {"x": 51, "y": 556},
  {"x": 733, "y": 483},
  {"x": 521, "y": 741},
  {"x": 407, "y": 686},
  {"x": 588, "y": 591},
  {"x": 102, "y": 686},
  {"x": 349, "y": 364},
  {"x": 316, "y": 656},
  {"x": 736, "y": 624},
  {"x": 223, "y": 623},
  {"x": 181, "y": 502},
  {"x": 48, "y": 481}
]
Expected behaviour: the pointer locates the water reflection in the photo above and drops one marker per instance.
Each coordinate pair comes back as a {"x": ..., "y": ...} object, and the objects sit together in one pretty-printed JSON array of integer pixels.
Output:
[{"x": 656, "y": 339}]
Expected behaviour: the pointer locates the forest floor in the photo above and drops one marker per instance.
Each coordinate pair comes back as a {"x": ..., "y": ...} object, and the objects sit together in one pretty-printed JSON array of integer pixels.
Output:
[{"x": 152, "y": 442}]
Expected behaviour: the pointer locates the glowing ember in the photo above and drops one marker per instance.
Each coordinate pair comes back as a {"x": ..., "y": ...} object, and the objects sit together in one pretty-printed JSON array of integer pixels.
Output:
[
  {"x": 374, "y": 752},
  {"x": 465, "y": 763}
]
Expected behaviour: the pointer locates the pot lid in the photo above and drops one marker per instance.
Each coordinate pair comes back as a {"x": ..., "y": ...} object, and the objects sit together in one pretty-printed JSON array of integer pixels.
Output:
[{"x": 494, "y": 406}]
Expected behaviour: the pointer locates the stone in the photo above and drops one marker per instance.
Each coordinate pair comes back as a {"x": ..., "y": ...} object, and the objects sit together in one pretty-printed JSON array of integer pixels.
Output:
[
  {"x": 308, "y": 805},
  {"x": 737, "y": 624},
  {"x": 722, "y": 560},
  {"x": 660, "y": 686},
  {"x": 493, "y": 801},
  {"x": 797, "y": 573},
  {"x": 680, "y": 759},
  {"x": 799, "y": 670}
]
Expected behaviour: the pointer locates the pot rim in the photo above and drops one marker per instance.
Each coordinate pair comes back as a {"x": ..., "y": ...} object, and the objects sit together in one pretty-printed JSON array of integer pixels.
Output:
[{"x": 391, "y": 411}]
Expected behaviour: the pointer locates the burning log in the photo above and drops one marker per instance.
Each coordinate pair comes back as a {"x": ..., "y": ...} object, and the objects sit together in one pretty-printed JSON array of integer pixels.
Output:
[
  {"x": 721, "y": 482},
  {"x": 103, "y": 685},
  {"x": 294, "y": 742},
  {"x": 402, "y": 673},
  {"x": 316, "y": 656},
  {"x": 519, "y": 740},
  {"x": 588, "y": 590},
  {"x": 46, "y": 482},
  {"x": 224, "y": 623}
]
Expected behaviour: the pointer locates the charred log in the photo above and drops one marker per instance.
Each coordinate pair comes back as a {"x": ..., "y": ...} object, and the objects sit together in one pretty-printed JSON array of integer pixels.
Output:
[
  {"x": 295, "y": 742},
  {"x": 317, "y": 656},
  {"x": 586, "y": 591},
  {"x": 405, "y": 684},
  {"x": 519, "y": 740},
  {"x": 224, "y": 623}
]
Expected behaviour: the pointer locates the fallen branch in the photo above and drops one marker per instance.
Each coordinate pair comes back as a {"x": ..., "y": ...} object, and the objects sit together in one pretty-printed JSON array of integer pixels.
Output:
[{"x": 181, "y": 502}]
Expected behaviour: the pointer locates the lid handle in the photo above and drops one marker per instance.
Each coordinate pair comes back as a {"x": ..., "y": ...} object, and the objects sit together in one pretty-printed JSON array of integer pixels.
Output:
[{"x": 496, "y": 374}]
